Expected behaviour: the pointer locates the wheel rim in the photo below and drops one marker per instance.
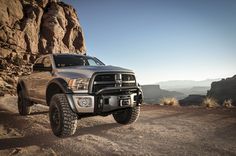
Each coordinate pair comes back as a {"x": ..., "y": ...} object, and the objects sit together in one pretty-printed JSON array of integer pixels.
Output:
[{"x": 55, "y": 117}]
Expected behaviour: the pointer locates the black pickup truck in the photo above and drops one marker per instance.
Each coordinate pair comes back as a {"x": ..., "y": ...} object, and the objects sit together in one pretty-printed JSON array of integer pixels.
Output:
[{"x": 77, "y": 86}]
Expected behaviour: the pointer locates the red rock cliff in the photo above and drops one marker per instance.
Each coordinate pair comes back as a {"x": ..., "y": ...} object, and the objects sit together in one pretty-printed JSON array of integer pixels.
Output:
[
  {"x": 39, "y": 27},
  {"x": 30, "y": 28}
]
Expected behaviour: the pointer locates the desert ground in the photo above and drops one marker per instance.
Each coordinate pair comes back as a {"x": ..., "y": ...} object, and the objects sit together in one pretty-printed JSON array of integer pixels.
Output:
[{"x": 160, "y": 130}]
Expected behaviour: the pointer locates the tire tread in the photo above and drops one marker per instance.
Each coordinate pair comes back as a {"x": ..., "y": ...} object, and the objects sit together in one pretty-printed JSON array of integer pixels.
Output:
[
  {"x": 128, "y": 116},
  {"x": 68, "y": 116}
]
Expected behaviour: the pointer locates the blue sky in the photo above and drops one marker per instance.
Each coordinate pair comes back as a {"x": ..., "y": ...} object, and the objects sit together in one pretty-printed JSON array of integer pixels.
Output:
[{"x": 162, "y": 39}]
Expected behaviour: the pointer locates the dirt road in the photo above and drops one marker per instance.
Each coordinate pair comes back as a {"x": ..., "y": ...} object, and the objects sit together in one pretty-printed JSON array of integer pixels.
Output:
[{"x": 159, "y": 131}]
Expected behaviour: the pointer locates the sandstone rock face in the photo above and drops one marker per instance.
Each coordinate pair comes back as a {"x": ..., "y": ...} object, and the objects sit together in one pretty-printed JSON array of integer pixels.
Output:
[
  {"x": 224, "y": 90},
  {"x": 39, "y": 27},
  {"x": 30, "y": 28}
]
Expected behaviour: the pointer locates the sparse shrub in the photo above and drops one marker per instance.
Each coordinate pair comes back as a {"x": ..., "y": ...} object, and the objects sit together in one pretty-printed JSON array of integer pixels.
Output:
[
  {"x": 169, "y": 101},
  {"x": 228, "y": 103},
  {"x": 210, "y": 102}
]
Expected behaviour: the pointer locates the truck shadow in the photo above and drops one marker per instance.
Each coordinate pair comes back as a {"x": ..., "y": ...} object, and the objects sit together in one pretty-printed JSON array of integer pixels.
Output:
[
  {"x": 38, "y": 113},
  {"x": 97, "y": 129},
  {"x": 48, "y": 139},
  {"x": 41, "y": 137}
]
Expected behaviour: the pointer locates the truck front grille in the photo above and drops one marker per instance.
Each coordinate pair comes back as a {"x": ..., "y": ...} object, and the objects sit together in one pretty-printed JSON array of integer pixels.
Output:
[
  {"x": 107, "y": 77},
  {"x": 113, "y": 80}
]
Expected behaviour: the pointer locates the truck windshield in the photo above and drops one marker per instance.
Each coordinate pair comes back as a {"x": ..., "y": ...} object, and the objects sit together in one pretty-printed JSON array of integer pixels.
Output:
[{"x": 76, "y": 60}]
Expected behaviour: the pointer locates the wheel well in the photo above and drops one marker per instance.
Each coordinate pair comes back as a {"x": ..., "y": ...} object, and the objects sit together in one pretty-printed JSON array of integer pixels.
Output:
[{"x": 52, "y": 90}]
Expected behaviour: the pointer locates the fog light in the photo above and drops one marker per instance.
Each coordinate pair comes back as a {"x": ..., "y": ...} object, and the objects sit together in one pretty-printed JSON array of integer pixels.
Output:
[{"x": 84, "y": 102}]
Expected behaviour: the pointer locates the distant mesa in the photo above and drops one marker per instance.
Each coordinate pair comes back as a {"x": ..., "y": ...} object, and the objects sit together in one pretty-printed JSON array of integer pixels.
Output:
[
  {"x": 221, "y": 91},
  {"x": 192, "y": 92},
  {"x": 178, "y": 89},
  {"x": 186, "y": 84},
  {"x": 153, "y": 94}
]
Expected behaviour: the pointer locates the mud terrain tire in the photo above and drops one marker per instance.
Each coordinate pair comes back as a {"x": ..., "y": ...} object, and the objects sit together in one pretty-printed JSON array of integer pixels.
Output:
[
  {"x": 23, "y": 104},
  {"x": 62, "y": 120},
  {"x": 127, "y": 116}
]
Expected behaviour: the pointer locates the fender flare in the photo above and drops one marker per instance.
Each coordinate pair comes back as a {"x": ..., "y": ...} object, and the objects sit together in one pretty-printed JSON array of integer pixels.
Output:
[{"x": 62, "y": 84}]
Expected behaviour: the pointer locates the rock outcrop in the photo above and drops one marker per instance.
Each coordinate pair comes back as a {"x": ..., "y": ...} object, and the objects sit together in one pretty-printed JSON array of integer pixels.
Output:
[
  {"x": 39, "y": 27},
  {"x": 30, "y": 28},
  {"x": 192, "y": 100},
  {"x": 224, "y": 90}
]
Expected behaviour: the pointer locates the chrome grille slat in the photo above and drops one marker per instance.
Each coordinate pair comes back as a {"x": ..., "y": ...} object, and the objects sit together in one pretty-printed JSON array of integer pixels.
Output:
[
  {"x": 104, "y": 82},
  {"x": 128, "y": 81},
  {"x": 113, "y": 80}
]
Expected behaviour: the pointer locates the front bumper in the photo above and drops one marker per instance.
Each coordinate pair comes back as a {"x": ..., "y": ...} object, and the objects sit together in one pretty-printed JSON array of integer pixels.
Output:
[{"x": 106, "y": 100}]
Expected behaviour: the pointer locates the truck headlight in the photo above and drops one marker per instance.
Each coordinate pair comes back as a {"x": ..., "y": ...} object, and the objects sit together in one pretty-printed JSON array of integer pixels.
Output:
[{"x": 78, "y": 84}]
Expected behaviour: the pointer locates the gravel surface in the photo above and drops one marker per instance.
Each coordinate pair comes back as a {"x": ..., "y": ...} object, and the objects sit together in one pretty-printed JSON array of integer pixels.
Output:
[{"x": 158, "y": 131}]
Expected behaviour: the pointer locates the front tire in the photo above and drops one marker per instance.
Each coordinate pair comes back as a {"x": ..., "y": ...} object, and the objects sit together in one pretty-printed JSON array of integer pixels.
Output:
[
  {"x": 23, "y": 104},
  {"x": 62, "y": 120},
  {"x": 127, "y": 116}
]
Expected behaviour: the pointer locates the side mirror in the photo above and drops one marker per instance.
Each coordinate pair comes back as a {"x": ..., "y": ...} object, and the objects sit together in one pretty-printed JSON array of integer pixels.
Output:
[{"x": 40, "y": 67}]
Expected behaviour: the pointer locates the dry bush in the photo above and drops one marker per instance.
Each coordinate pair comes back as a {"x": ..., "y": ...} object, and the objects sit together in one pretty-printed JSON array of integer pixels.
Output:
[
  {"x": 228, "y": 103},
  {"x": 210, "y": 102},
  {"x": 169, "y": 102}
]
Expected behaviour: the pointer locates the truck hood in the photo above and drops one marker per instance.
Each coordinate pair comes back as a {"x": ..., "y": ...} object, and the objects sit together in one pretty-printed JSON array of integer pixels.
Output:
[{"x": 87, "y": 71}]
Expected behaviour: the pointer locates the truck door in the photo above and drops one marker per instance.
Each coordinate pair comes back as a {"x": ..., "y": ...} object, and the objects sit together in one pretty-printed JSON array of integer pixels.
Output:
[
  {"x": 41, "y": 80},
  {"x": 31, "y": 80}
]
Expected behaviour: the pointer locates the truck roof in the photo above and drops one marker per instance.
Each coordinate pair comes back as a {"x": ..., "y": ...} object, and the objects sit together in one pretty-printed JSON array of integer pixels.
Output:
[{"x": 69, "y": 54}]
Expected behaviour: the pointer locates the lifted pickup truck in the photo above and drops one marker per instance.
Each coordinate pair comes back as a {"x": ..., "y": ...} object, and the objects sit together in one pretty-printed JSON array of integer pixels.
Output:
[{"x": 76, "y": 86}]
